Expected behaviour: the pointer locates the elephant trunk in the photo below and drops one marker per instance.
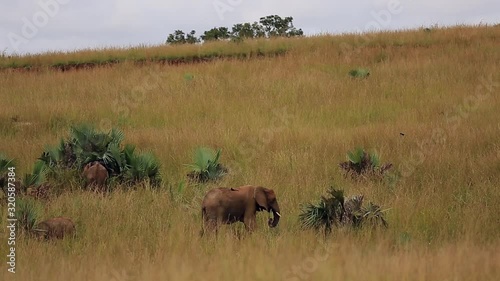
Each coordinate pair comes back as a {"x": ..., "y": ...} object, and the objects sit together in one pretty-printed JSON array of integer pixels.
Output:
[{"x": 276, "y": 216}]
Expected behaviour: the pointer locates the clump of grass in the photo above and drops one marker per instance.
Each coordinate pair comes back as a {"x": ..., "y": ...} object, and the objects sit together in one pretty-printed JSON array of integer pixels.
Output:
[
  {"x": 188, "y": 77},
  {"x": 28, "y": 212},
  {"x": 335, "y": 210},
  {"x": 359, "y": 73},
  {"x": 361, "y": 164},
  {"x": 206, "y": 166}
]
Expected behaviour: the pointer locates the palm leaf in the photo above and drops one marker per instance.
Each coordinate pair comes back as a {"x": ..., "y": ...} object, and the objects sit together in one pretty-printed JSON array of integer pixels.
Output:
[
  {"x": 52, "y": 156},
  {"x": 374, "y": 215},
  {"x": 337, "y": 194},
  {"x": 128, "y": 155},
  {"x": 356, "y": 156},
  {"x": 203, "y": 155},
  {"x": 150, "y": 164},
  {"x": 215, "y": 160},
  {"x": 375, "y": 160},
  {"x": 314, "y": 215},
  {"x": 113, "y": 159},
  {"x": 5, "y": 164},
  {"x": 39, "y": 175},
  {"x": 87, "y": 139},
  {"x": 117, "y": 136},
  {"x": 81, "y": 136},
  {"x": 194, "y": 167}
]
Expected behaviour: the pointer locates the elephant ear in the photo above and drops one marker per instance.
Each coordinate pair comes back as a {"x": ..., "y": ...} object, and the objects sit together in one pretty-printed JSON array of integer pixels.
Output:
[{"x": 261, "y": 198}]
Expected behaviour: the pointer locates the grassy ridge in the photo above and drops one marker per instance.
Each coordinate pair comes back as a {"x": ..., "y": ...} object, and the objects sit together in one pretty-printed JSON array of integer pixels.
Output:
[
  {"x": 284, "y": 123},
  {"x": 144, "y": 54},
  {"x": 246, "y": 49}
]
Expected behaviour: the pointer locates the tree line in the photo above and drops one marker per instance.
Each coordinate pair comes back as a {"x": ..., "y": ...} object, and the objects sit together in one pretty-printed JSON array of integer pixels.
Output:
[{"x": 267, "y": 27}]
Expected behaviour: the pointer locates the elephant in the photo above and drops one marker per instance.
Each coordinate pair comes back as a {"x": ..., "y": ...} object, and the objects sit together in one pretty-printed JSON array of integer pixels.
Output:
[
  {"x": 95, "y": 174},
  {"x": 55, "y": 228},
  {"x": 229, "y": 205}
]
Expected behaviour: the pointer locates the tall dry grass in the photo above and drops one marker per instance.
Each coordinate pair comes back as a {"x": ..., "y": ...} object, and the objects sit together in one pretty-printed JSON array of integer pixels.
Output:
[{"x": 284, "y": 123}]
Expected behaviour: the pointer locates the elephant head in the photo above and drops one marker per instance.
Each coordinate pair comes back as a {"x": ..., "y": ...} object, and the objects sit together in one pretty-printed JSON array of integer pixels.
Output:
[{"x": 266, "y": 200}]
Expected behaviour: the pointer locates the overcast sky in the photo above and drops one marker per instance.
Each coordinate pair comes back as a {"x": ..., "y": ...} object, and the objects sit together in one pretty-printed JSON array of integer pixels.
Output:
[{"x": 34, "y": 26}]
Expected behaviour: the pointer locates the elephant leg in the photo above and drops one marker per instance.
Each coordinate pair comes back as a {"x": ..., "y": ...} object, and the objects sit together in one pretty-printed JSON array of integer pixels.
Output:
[
  {"x": 209, "y": 226},
  {"x": 202, "y": 230},
  {"x": 250, "y": 223},
  {"x": 212, "y": 225}
]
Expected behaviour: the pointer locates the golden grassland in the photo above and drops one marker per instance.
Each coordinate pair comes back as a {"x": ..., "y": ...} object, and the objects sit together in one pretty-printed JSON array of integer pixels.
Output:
[{"x": 284, "y": 123}]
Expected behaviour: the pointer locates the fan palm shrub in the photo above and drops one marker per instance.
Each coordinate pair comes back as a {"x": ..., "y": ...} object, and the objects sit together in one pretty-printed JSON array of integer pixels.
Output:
[
  {"x": 374, "y": 215},
  {"x": 141, "y": 167},
  {"x": 90, "y": 145},
  {"x": 326, "y": 214},
  {"x": 335, "y": 211},
  {"x": 86, "y": 145},
  {"x": 206, "y": 166},
  {"x": 362, "y": 164}
]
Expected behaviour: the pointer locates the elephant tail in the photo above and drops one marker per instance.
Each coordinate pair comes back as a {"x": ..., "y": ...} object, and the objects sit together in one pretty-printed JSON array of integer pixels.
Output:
[{"x": 203, "y": 214}]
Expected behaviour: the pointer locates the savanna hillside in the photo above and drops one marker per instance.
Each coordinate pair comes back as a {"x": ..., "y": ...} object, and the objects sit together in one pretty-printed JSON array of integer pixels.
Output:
[{"x": 284, "y": 122}]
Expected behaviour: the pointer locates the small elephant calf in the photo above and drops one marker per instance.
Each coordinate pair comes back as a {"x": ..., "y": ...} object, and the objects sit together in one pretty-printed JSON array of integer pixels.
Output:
[
  {"x": 95, "y": 174},
  {"x": 56, "y": 228}
]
